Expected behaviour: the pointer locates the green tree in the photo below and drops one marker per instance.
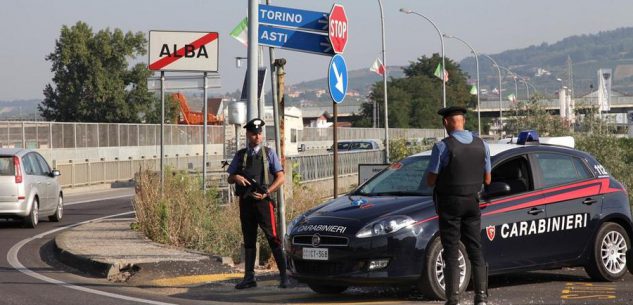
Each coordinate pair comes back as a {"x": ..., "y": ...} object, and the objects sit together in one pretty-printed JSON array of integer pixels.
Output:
[
  {"x": 92, "y": 78},
  {"x": 415, "y": 99}
]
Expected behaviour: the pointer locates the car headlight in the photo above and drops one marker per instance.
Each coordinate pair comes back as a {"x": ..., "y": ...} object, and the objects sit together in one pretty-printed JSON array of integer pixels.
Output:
[{"x": 385, "y": 226}]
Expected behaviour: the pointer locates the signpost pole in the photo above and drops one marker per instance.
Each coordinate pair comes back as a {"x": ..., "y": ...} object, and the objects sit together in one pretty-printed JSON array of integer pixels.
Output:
[
  {"x": 253, "y": 31},
  {"x": 204, "y": 137},
  {"x": 335, "y": 148},
  {"x": 162, "y": 132}
]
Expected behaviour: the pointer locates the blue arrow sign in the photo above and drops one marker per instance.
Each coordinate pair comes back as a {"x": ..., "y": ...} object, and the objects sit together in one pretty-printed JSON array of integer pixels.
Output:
[
  {"x": 337, "y": 78},
  {"x": 293, "y": 18},
  {"x": 294, "y": 40}
]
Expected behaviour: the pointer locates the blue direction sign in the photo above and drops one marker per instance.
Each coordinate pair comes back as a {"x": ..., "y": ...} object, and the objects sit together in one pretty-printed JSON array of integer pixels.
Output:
[
  {"x": 293, "y": 18},
  {"x": 294, "y": 40},
  {"x": 337, "y": 78}
]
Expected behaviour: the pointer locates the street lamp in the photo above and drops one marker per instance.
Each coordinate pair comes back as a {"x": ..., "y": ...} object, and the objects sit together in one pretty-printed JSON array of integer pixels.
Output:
[
  {"x": 494, "y": 63},
  {"x": 478, "y": 88},
  {"x": 384, "y": 81},
  {"x": 408, "y": 11},
  {"x": 514, "y": 77}
]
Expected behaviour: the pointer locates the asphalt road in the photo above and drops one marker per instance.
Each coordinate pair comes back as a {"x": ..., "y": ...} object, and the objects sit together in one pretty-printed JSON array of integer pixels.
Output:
[{"x": 30, "y": 274}]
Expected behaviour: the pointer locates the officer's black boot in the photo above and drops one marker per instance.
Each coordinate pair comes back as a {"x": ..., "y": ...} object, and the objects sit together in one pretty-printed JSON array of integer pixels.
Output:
[
  {"x": 451, "y": 285},
  {"x": 480, "y": 276},
  {"x": 280, "y": 259},
  {"x": 249, "y": 270}
]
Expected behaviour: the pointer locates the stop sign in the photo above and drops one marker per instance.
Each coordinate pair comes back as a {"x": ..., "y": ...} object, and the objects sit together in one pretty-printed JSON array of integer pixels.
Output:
[{"x": 338, "y": 28}]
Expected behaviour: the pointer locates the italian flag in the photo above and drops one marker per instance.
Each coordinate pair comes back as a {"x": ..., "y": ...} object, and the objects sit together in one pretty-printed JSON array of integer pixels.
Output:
[
  {"x": 438, "y": 74},
  {"x": 512, "y": 98},
  {"x": 378, "y": 67},
  {"x": 240, "y": 32}
]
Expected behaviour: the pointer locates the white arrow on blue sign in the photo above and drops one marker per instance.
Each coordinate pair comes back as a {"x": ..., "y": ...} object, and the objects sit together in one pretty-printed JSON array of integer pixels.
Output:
[
  {"x": 294, "y": 40},
  {"x": 293, "y": 18},
  {"x": 337, "y": 78}
]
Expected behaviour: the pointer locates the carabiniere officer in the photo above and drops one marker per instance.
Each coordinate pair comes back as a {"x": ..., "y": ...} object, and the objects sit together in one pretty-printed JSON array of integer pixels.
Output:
[
  {"x": 459, "y": 166},
  {"x": 261, "y": 164}
]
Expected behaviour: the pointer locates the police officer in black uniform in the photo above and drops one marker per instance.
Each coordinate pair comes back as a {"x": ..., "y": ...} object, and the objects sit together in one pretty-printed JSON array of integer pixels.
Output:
[
  {"x": 252, "y": 166},
  {"x": 459, "y": 166}
]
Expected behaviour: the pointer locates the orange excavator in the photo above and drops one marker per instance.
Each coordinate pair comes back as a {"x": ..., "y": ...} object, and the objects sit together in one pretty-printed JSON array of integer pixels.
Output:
[{"x": 188, "y": 117}]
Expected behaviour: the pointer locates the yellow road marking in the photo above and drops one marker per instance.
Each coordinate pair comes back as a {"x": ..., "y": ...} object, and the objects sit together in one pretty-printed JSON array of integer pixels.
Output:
[{"x": 196, "y": 279}]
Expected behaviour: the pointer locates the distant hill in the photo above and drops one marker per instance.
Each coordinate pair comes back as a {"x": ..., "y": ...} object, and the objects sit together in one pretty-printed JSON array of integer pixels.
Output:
[
  {"x": 19, "y": 110},
  {"x": 587, "y": 53}
]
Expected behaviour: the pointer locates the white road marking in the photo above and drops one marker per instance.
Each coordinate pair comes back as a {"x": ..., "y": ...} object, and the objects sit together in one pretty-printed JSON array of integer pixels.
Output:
[
  {"x": 12, "y": 258},
  {"x": 99, "y": 199}
]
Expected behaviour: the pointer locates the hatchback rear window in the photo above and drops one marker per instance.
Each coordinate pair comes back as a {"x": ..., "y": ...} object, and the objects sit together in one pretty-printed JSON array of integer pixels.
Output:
[{"x": 6, "y": 166}]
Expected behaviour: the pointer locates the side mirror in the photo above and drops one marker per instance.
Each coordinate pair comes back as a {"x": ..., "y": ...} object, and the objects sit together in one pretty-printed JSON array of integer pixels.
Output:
[
  {"x": 495, "y": 189},
  {"x": 55, "y": 173}
]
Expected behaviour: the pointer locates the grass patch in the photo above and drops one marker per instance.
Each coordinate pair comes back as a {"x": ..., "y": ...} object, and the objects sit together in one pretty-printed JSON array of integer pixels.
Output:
[{"x": 185, "y": 217}]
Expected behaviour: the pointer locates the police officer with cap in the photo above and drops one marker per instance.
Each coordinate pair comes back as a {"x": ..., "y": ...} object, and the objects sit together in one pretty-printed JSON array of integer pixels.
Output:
[
  {"x": 255, "y": 166},
  {"x": 459, "y": 166}
]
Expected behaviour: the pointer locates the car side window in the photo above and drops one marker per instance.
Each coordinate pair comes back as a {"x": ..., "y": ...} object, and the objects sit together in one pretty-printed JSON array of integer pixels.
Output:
[
  {"x": 37, "y": 169},
  {"x": 43, "y": 164},
  {"x": 516, "y": 173},
  {"x": 560, "y": 169},
  {"x": 28, "y": 167}
]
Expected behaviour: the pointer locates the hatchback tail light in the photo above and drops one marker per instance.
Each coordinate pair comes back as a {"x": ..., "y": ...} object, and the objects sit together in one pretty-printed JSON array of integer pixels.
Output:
[{"x": 18, "y": 169}]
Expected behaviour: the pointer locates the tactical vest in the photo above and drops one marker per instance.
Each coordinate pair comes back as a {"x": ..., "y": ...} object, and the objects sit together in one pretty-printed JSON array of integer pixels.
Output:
[
  {"x": 464, "y": 173},
  {"x": 255, "y": 166}
]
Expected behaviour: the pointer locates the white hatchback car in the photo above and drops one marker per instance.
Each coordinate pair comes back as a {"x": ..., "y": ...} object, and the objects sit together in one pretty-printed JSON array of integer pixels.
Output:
[{"x": 28, "y": 187}]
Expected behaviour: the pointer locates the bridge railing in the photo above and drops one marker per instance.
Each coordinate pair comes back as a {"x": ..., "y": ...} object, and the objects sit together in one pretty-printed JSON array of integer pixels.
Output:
[{"x": 317, "y": 167}]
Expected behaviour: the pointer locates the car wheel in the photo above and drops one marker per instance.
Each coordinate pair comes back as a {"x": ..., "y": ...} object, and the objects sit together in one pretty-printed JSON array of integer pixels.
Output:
[
  {"x": 608, "y": 257},
  {"x": 432, "y": 280},
  {"x": 59, "y": 211},
  {"x": 34, "y": 216},
  {"x": 326, "y": 289}
]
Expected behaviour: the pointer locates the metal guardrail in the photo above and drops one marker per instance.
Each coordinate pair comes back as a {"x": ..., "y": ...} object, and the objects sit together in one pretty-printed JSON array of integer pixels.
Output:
[{"x": 317, "y": 167}]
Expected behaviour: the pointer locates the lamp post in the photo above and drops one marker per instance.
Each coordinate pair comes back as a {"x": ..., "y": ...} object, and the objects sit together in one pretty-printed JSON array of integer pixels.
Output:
[
  {"x": 477, "y": 66},
  {"x": 408, "y": 11},
  {"x": 384, "y": 81},
  {"x": 514, "y": 77},
  {"x": 494, "y": 63}
]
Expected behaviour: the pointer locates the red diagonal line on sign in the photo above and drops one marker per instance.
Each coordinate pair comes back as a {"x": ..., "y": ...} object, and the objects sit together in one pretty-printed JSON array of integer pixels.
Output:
[{"x": 163, "y": 62}]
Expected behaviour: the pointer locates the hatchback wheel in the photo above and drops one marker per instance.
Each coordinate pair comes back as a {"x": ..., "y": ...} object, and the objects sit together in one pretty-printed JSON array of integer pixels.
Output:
[
  {"x": 59, "y": 211},
  {"x": 432, "y": 280},
  {"x": 32, "y": 219},
  {"x": 608, "y": 258}
]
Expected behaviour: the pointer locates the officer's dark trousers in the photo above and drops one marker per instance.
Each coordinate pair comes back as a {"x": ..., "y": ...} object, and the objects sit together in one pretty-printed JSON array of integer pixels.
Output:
[
  {"x": 260, "y": 213},
  {"x": 460, "y": 219}
]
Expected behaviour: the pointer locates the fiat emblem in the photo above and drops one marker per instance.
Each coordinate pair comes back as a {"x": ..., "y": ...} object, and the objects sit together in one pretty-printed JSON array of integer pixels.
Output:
[{"x": 316, "y": 240}]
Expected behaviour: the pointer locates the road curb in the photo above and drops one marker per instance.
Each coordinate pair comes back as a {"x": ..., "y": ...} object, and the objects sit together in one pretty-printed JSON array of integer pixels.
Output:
[{"x": 79, "y": 262}]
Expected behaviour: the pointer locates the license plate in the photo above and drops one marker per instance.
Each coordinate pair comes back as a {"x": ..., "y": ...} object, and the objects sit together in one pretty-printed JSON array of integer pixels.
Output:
[{"x": 317, "y": 254}]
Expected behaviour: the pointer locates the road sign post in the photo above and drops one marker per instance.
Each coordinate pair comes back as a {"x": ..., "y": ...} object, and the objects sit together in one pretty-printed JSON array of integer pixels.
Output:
[
  {"x": 337, "y": 84},
  {"x": 338, "y": 28}
]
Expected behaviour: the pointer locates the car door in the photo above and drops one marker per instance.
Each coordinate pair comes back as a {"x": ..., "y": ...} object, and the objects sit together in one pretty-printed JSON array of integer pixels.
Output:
[
  {"x": 573, "y": 203},
  {"x": 508, "y": 238},
  {"x": 49, "y": 181},
  {"x": 39, "y": 181}
]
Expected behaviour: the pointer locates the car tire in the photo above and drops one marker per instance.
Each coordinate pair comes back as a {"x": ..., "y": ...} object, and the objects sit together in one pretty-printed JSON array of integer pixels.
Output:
[
  {"x": 59, "y": 211},
  {"x": 607, "y": 260},
  {"x": 34, "y": 216},
  {"x": 431, "y": 282},
  {"x": 326, "y": 289}
]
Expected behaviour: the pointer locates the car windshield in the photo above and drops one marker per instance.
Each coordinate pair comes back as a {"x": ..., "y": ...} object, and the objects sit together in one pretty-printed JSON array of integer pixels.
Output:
[
  {"x": 6, "y": 166},
  {"x": 404, "y": 178}
]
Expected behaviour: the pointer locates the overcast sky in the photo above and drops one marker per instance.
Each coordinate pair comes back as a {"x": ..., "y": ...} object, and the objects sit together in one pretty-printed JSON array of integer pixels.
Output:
[{"x": 29, "y": 28}]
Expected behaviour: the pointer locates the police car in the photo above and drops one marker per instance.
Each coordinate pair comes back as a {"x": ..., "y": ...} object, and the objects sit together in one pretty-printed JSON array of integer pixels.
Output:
[{"x": 548, "y": 206}]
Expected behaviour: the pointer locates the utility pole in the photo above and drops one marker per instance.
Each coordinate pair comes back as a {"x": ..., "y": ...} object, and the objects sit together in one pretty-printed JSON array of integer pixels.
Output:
[{"x": 253, "y": 58}]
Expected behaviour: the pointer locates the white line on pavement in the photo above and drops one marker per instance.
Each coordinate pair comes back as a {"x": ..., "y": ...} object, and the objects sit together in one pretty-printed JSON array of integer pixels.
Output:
[
  {"x": 98, "y": 199},
  {"x": 12, "y": 258}
]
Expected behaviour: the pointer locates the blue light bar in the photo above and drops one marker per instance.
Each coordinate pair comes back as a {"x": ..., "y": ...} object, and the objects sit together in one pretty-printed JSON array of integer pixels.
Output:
[{"x": 527, "y": 136}]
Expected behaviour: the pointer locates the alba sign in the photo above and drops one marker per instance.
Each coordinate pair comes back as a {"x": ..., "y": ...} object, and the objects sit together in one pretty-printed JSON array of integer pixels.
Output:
[
  {"x": 338, "y": 29},
  {"x": 183, "y": 51}
]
